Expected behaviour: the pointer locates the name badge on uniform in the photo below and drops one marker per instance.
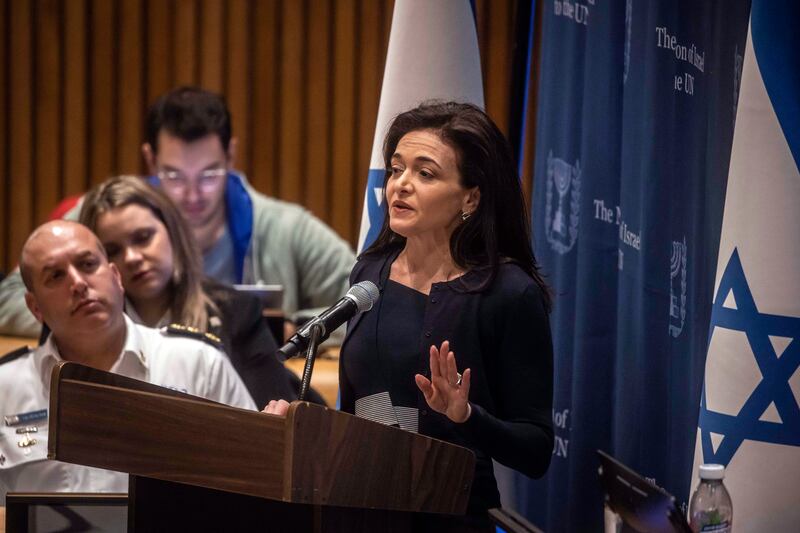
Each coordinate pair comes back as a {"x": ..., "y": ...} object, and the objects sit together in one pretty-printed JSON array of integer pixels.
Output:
[
  {"x": 25, "y": 418},
  {"x": 27, "y": 429}
]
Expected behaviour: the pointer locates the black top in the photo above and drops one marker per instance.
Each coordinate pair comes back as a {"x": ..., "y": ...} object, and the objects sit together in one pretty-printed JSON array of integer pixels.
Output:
[
  {"x": 398, "y": 339},
  {"x": 393, "y": 400},
  {"x": 500, "y": 332}
]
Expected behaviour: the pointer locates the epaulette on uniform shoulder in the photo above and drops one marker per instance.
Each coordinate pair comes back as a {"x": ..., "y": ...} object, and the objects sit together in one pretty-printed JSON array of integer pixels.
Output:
[
  {"x": 16, "y": 354},
  {"x": 194, "y": 333}
]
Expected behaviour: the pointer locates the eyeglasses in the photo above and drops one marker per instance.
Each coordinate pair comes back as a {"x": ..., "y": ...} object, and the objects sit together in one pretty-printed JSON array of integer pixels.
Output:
[{"x": 177, "y": 182}]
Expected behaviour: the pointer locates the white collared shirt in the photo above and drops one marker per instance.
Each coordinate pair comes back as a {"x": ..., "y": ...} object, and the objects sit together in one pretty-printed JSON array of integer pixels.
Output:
[{"x": 179, "y": 363}]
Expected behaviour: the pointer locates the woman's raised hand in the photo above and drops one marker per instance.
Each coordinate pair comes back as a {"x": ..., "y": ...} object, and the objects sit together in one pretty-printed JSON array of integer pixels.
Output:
[{"x": 447, "y": 391}]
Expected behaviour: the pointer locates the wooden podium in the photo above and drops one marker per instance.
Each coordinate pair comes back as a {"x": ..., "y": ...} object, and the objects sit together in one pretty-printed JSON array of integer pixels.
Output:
[{"x": 200, "y": 465}]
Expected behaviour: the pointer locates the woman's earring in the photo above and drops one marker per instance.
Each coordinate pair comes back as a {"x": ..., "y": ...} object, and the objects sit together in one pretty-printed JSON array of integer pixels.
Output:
[{"x": 465, "y": 216}]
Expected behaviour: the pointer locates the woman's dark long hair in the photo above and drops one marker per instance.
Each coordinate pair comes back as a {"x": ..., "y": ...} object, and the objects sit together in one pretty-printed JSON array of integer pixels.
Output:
[{"x": 498, "y": 230}]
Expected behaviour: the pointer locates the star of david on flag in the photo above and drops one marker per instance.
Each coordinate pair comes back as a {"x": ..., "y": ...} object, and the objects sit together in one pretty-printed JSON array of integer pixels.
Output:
[
  {"x": 433, "y": 54},
  {"x": 771, "y": 412}
]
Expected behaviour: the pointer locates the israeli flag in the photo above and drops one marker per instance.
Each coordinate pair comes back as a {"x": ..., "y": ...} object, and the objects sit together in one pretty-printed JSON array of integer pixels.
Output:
[
  {"x": 749, "y": 413},
  {"x": 433, "y": 54}
]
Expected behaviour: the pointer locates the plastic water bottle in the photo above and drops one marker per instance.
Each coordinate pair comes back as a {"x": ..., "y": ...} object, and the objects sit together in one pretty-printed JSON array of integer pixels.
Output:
[{"x": 710, "y": 508}]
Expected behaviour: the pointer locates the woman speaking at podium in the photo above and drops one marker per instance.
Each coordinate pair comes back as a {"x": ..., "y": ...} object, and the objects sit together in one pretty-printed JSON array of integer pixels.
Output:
[{"x": 458, "y": 345}]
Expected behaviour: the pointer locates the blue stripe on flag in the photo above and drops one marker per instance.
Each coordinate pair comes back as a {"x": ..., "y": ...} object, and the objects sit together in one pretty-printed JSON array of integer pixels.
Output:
[
  {"x": 776, "y": 41},
  {"x": 374, "y": 203}
]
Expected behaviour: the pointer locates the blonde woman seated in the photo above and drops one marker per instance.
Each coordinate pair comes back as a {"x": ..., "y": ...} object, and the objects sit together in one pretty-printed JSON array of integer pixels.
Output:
[{"x": 146, "y": 237}]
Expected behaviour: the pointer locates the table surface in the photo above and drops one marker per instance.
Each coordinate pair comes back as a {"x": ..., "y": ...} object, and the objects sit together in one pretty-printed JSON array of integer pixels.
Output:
[
  {"x": 9, "y": 344},
  {"x": 325, "y": 378}
]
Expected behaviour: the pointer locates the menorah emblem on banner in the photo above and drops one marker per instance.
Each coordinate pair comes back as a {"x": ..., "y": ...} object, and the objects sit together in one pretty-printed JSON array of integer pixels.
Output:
[
  {"x": 561, "y": 229},
  {"x": 677, "y": 276}
]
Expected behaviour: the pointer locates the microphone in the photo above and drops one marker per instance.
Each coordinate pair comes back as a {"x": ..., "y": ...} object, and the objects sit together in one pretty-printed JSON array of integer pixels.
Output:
[{"x": 358, "y": 299}]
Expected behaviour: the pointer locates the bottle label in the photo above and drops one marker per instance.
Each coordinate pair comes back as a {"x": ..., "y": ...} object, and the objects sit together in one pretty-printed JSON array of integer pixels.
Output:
[{"x": 722, "y": 527}]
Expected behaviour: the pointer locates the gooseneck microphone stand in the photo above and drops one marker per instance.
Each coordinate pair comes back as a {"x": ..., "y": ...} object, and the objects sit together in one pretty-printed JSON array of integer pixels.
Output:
[{"x": 311, "y": 354}]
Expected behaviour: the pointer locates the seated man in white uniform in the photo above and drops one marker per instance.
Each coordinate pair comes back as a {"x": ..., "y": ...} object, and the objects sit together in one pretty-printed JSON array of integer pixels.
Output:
[{"x": 75, "y": 290}]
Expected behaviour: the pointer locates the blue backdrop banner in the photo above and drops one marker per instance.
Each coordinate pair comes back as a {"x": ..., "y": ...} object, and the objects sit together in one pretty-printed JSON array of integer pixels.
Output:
[{"x": 637, "y": 102}]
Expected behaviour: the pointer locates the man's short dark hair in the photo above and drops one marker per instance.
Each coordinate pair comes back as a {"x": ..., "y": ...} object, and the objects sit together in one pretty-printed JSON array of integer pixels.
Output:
[{"x": 188, "y": 113}]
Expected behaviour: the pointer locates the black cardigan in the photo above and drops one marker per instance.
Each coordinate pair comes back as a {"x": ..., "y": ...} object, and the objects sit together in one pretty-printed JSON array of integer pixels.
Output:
[{"x": 502, "y": 333}]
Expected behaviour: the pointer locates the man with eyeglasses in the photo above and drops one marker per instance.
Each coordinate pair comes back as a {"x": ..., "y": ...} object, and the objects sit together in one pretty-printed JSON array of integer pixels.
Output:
[{"x": 245, "y": 236}]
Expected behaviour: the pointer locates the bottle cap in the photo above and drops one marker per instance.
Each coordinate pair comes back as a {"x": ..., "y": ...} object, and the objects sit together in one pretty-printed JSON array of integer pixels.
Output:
[{"x": 712, "y": 471}]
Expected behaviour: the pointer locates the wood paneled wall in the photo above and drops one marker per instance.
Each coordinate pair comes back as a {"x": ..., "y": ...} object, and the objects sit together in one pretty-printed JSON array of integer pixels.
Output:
[{"x": 302, "y": 79}]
